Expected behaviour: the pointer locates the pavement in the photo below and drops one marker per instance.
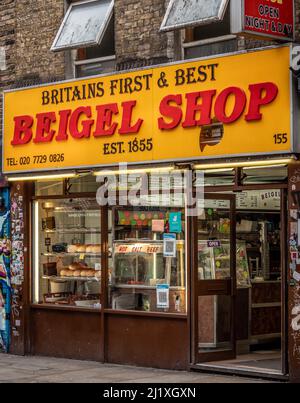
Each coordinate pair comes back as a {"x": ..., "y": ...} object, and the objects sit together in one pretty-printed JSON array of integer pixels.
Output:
[{"x": 15, "y": 369}]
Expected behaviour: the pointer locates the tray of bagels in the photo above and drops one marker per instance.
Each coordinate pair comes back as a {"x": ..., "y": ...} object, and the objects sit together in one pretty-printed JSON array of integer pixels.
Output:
[
  {"x": 90, "y": 249},
  {"x": 79, "y": 271}
]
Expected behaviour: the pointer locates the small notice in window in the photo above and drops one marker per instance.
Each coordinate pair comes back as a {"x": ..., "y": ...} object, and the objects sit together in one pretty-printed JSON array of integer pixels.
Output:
[
  {"x": 162, "y": 296},
  {"x": 169, "y": 245}
]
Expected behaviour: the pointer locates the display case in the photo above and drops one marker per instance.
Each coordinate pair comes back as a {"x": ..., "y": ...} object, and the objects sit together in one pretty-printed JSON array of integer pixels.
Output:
[
  {"x": 67, "y": 253},
  {"x": 214, "y": 262},
  {"x": 144, "y": 279}
]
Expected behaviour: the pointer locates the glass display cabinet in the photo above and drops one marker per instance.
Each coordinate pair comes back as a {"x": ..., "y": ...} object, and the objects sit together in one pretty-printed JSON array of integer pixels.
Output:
[
  {"x": 139, "y": 268},
  {"x": 67, "y": 252}
]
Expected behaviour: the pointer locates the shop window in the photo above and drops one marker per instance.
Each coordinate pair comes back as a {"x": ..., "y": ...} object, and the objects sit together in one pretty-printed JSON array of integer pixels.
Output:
[
  {"x": 67, "y": 252},
  {"x": 183, "y": 13},
  {"x": 84, "y": 25},
  {"x": 147, "y": 271}
]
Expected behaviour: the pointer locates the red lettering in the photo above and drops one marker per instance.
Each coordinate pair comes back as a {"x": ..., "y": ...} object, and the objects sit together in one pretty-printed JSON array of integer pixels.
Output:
[
  {"x": 44, "y": 134},
  {"x": 261, "y": 94},
  {"x": 239, "y": 104},
  {"x": 23, "y": 131},
  {"x": 86, "y": 124},
  {"x": 192, "y": 108},
  {"x": 104, "y": 125},
  {"x": 170, "y": 111},
  {"x": 126, "y": 127},
  {"x": 62, "y": 134}
]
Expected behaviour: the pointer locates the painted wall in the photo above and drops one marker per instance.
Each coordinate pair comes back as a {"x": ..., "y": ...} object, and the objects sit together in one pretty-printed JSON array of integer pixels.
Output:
[{"x": 5, "y": 289}]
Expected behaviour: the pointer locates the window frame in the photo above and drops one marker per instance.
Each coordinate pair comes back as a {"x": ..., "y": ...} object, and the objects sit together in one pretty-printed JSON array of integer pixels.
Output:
[
  {"x": 77, "y": 63},
  {"x": 164, "y": 27},
  {"x": 208, "y": 41},
  {"x": 99, "y": 37}
]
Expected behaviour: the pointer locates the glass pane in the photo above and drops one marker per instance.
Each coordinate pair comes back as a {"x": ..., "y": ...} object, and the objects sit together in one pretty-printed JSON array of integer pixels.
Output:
[
  {"x": 265, "y": 175},
  {"x": 214, "y": 241},
  {"x": 182, "y": 13},
  {"x": 96, "y": 68},
  {"x": 217, "y": 48},
  {"x": 49, "y": 188},
  {"x": 67, "y": 252},
  {"x": 83, "y": 24},
  {"x": 148, "y": 265},
  {"x": 84, "y": 184},
  {"x": 213, "y": 30},
  {"x": 214, "y": 323}
]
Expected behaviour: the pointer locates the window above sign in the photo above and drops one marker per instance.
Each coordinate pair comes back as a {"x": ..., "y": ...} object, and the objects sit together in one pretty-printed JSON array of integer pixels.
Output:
[
  {"x": 187, "y": 13},
  {"x": 84, "y": 25},
  {"x": 211, "y": 39}
]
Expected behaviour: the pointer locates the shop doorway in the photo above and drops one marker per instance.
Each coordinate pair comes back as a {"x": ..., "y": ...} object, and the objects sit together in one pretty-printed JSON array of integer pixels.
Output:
[
  {"x": 215, "y": 279},
  {"x": 239, "y": 283}
]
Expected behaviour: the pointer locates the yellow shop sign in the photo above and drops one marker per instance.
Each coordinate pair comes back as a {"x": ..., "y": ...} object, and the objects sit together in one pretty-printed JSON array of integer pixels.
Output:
[{"x": 228, "y": 106}]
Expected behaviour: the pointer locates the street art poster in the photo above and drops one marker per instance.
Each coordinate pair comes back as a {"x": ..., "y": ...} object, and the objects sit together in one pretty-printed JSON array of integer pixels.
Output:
[{"x": 5, "y": 252}]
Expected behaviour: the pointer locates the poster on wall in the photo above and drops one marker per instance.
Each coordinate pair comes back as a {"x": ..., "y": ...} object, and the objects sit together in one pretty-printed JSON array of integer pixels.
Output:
[
  {"x": 263, "y": 18},
  {"x": 5, "y": 252}
]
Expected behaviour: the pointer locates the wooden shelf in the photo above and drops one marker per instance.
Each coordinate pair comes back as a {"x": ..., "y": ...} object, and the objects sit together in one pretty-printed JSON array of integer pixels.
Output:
[
  {"x": 62, "y": 279},
  {"x": 65, "y": 254}
]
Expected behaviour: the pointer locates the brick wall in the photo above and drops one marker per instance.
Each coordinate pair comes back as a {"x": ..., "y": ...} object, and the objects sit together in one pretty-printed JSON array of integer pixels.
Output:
[
  {"x": 27, "y": 30},
  {"x": 7, "y": 44},
  {"x": 37, "y": 23},
  {"x": 138, "y": 40}
]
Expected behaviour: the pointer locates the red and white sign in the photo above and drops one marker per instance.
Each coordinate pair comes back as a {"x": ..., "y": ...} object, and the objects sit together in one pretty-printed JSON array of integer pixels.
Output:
[
  {"x": 265, "y": 18},
  {"x": 139, "y": 248}
]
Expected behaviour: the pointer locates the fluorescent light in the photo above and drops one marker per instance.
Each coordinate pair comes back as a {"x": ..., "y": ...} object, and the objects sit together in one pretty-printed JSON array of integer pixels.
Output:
[
  {"x": 134, "y": 171},
  {"x": 269, "y": 166},
  {"x": 40, "y": 177},
  {"x": 245, "y": 164},
  {"x": 214, "y": 171}
]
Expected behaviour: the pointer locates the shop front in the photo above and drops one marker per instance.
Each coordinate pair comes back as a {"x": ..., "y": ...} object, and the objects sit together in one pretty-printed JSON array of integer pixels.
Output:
[{"x": 151, "y": 222}]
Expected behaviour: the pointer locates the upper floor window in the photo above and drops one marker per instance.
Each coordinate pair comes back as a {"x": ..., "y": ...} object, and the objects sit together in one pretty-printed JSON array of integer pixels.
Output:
[
  {"x": 207, "y": 26},
  {"x": 84, "y": 25},
  {"x": 88, "y": 30}
]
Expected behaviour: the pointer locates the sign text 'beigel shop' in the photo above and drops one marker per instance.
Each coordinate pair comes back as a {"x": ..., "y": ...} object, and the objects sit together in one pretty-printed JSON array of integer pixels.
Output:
[{"x": 161, "y": 114}]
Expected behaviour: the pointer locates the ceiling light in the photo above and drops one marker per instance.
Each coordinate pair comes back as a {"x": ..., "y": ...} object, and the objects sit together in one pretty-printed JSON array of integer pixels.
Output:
[
  {"x": 134, "y": 171},
  {"x": 245, "y": 164},
  {"x": 41, "y": 177}
]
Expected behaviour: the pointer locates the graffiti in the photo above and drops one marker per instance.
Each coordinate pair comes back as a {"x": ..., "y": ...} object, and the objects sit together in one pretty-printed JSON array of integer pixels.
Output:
[
  {"x": 5, "y": 285},
  {"x": 296, "y": 320},
  {"x": 17, "y": 261}
]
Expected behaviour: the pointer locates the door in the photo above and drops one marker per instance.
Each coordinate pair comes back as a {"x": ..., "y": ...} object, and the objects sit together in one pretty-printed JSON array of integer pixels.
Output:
[{"x": 214, "y": 280}]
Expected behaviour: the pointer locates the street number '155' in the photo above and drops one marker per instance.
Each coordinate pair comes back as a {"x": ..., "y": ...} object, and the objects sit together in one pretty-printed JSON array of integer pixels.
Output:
[{"x": 280, "y": 138}]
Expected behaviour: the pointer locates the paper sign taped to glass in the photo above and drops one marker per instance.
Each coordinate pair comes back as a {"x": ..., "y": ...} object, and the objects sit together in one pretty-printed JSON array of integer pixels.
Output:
[{"x": 162, "y": 296}]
